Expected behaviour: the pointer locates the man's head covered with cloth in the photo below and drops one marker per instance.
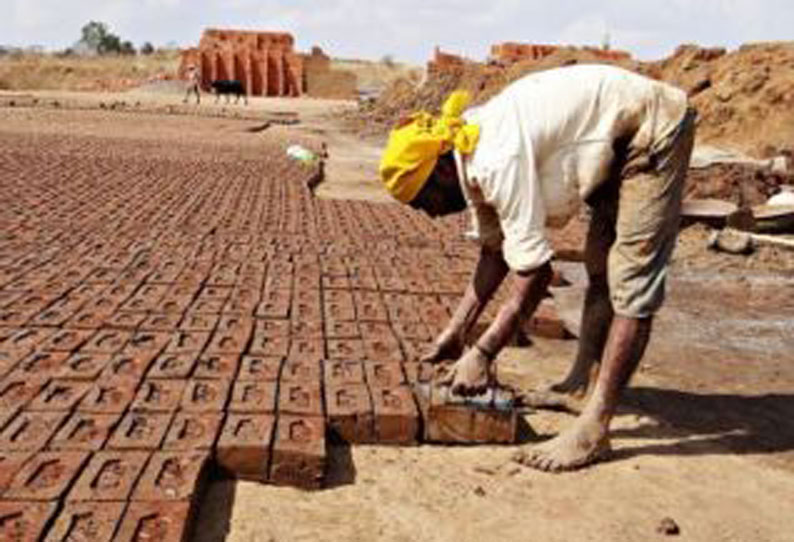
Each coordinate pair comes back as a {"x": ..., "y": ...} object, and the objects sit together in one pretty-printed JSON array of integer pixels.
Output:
[{"x": 417, "y": 167}]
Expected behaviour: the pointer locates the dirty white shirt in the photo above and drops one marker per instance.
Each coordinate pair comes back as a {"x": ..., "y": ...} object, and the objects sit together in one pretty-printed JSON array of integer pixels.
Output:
[{"x": 546, "y": 143}]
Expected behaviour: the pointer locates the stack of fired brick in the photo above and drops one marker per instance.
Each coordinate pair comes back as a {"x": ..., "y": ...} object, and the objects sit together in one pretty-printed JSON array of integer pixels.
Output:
[{"x": 161, "y": 317}]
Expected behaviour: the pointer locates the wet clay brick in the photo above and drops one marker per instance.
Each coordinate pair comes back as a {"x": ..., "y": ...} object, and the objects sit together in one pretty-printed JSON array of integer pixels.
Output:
[
  {"x": 46, "y": 477},
  {"x": 346, "y": 349},
  {"x": 30, "y": 431},
  {"x": 261, "y": 368},
  {"x": 306, "y": 348},
  {"x": 173, "y": 366},
  {"x": 199, "y": 322},
  {"x": 223, "y": 342},
  {"x": 161, "y": 322},
  {"x": 40, "y": 365},
  {"x": 234, "y": 324},
  {"x": 487, "y": 419},
  {"x": 222, "y": 366},
  {"x": 10, "y": 464},
  {"x": 84, "y": 366},
  {"x": 187, "y": 342},
  {"x": 67, "y": 340},
  {"x": 383, "y": 349},
  {"x": 244, "y": 445},
  {"x": 125, "y": 320},
  {"x": 24, "y": 521},
  {"x": 60, "y": 395},
  {"x": 299, "y": 456},
  {"x": 172, "y": 476},
  {"x": 269, "y": 346},
  {"x": 396, "y": 415},
  {"x": 86, "y": 521},
  {"x": 155, "y": 522},
  {"x": 140, "y": 431},
  {"x": 300, "y": 398},
  {"x": 109, "y": 476},
  {"x": 146, "y": 342},
  {"x": 111, "y": 397},
  {"x": 159, "y": 396},
  {"x": 384, "y": 375},
  {"x": 107, "y": 341},
  {"x": 251, "y": 396},
  {"x": 418, "y": 372},
  {"x": 193, "y": 431},
  {"x": 205, "y": 396},
  {"x": 84, "y": 432},
  {"x": 307, "y": 329},
  {"x": 341, "y": 330},
  {"x": 301, "y": 370},
  {"x": 350, "y": 413},
  {"x": 16, "y": 392},
  {"x": 272, "y": 328},
  {"x": 127, "y": 368},
  {"x": 340, "y": 373}
]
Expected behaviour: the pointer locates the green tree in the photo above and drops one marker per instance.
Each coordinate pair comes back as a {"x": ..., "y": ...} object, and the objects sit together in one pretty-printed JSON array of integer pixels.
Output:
[
  {"x": 96, "y": 37},
  {"x": 147, "y": 48}
]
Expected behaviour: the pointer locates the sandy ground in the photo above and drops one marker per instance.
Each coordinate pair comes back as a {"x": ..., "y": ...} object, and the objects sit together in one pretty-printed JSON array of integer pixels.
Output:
[{"x": 706, "y": 436}]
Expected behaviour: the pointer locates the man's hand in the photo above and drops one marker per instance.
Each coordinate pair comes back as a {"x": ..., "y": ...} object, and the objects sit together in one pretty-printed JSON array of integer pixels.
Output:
[
  {"x": 471, "y": 375},
  {"x": 448, "y": 345}
]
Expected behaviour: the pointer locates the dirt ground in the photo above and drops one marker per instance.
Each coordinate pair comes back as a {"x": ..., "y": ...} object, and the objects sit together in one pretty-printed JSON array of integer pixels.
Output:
[{"x": 706, "y": 435}]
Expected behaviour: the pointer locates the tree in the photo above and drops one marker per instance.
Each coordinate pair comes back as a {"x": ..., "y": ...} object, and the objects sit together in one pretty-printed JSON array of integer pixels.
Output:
[
  {"x": 127, "y": 48},
  {"x": 147, "y": 48},
  {"x": 96, "y": 37}
]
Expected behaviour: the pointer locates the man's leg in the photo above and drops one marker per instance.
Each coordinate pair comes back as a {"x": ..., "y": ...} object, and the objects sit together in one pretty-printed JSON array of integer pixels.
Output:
[
  {"x": 646, "y": 227},
  {"x": 597, "y": 313}
]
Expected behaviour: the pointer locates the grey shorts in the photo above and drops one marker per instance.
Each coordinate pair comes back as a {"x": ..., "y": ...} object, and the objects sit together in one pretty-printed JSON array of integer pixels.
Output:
[{"x": 638, "y": 211}]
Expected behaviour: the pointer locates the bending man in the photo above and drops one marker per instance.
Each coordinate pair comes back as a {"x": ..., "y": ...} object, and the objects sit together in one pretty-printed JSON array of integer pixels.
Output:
[{"x": 616, "y": 140}]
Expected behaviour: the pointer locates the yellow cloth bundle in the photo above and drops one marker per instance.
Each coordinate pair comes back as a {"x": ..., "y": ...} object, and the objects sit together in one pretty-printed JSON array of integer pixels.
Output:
[{"x": 415, "y": 146}]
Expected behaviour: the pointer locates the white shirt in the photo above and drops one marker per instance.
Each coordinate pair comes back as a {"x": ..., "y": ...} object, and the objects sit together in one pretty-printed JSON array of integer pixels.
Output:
[{"x": 546, "y": 143}]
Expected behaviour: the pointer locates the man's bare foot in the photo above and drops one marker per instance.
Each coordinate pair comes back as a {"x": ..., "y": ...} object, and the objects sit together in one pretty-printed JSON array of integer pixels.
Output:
[
  {"x": 470, "y": 375},
  {"x": 584, "y": 443}
]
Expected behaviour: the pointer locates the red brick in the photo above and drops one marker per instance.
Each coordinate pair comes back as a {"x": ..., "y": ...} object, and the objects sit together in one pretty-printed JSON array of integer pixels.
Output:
[
  {"x": 418, "y": 372},
  {"x": 415, "y": 350},
  {"x": 159, "y": 395},
  {"x": 84, "y": 432},
  {"x": 346, "y": 349},
  {"x": 109, "y": 476},
  {"x": 155, "y": 522},
  {"x": 140, "y": 431},
  {"x": 172, "y": 476},
  {"x": 16, "y": 392},
  {"x": 191, "y": 431},
  {"x": 486, "y": 419},
  {"x": 396, "y": 415},
  {"x": 205, "y": 396},
  {"x": 107, "y": 341},
  {"x": 223, "y": 366},
  {"x": 46, "y": 477},
  {"x": 250, "y": 396},
  {"x": 195, "y": 321},
  {"x": 234, "y": 324},
  {"x": 383, "y": 349},
  {"x": 30, "y": 431},
  {"x": 269, "y": 346},
  {"x": 20, "y": 342},
  {"x": 108, "y": 397},
  {"x": 339, "y": 373},
  {"x": 300, "y": 398},
  {"x": 10, "y": 464},
  {"x": 384, "y": 375},
  {"x": 272, "y": 328},
  {"x": 60, "y": 395},
  {"x": 301, "y": 370},
  {"x": 226, "y": 343},
  {"x": 173, "y": 366},
  {"x": 299, "y": 456},
  {"x": 163, "y": 322},
  {"x": 341, "y": 330},
  {"x": 24, "y": 521},
  {"x": 90, "y": 318},
  {"x": 125, "y": 320},
  {"x": 187, "y": 342},
  {"x": 350, "y": 412},
  {"x": 412, "y": 330},
  {"x": 146, "y": 342},
  {"x": 86, "y": 521},
  {"x": 126, "y": 367},
  {"x": 277, "y": 309},
  {"x": 40, "y": 365},
  {"x": 84, "y": 366},
  {"x": 244, "y": 445},
  {"x": 266, "y": 369},
  {"x": 307, "y": 348}
]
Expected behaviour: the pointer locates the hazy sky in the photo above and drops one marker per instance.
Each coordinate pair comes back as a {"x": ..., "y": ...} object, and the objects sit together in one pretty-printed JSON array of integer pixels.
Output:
[{"x": 409, "y": 29}]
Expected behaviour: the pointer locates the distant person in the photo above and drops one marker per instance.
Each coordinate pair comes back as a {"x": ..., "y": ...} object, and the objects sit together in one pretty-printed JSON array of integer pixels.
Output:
[
  {"x": 616, "y": 140},
  {"x": 193, "y": 84}
]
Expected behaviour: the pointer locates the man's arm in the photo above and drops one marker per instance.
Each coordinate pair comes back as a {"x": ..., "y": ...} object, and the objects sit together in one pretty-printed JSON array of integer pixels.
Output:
[{"x": 488, "y": 276}]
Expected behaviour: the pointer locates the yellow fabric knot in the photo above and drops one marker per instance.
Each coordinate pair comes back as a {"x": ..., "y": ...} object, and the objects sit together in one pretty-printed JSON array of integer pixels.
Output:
[{"x": 415, "y": 146}]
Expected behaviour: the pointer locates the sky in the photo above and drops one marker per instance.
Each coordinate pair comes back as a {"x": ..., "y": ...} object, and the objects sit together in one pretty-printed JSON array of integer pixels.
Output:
[{"x": 408, "y": 30}]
